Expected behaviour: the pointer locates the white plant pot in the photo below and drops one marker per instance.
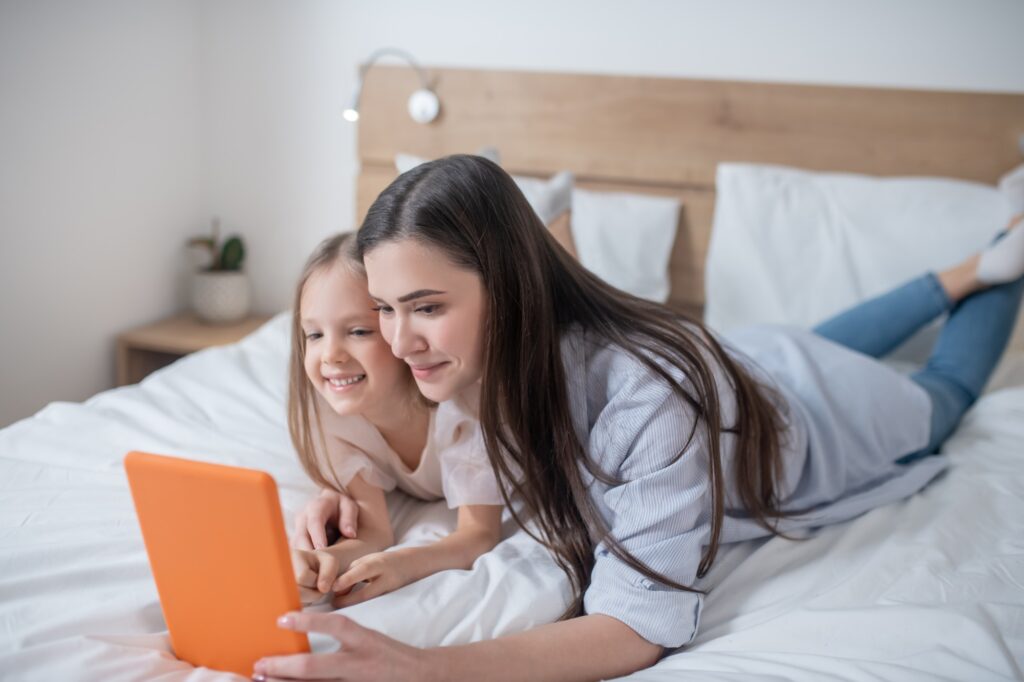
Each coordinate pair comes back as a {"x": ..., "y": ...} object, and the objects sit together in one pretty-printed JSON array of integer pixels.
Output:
[{"x": 220, "y": 297}]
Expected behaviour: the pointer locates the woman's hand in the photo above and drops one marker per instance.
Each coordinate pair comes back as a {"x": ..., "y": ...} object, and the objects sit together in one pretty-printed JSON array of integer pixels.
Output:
[
  {"x": 364, "y": 655},
  {"x": 329, "y": 512},
  {"x": 382, "y": 571}
]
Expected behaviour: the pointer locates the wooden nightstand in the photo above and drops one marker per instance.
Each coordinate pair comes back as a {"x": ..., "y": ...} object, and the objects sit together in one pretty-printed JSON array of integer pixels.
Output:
[{"x": 148, "y": 348}]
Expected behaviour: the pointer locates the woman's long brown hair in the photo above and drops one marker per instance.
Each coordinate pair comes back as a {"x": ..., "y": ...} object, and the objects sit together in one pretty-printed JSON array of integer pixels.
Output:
[{"x": 471, "y": 210}]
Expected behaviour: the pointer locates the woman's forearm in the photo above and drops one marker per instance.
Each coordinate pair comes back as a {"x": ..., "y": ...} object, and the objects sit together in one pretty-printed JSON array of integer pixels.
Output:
[{"x": 594, "y": 647}]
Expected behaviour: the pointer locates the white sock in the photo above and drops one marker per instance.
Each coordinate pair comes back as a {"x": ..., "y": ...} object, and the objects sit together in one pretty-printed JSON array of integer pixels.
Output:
[
  {"x": 1003, "y": 261},
  {"x": 1012, "y": 187}
]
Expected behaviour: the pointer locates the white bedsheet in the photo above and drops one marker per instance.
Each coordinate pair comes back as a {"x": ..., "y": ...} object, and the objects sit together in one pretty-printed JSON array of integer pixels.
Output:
[{"x": 930, "y": 588}]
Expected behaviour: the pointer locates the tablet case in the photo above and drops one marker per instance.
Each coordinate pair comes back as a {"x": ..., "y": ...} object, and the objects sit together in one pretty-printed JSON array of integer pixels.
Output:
[{"x": 220, "y": 558}]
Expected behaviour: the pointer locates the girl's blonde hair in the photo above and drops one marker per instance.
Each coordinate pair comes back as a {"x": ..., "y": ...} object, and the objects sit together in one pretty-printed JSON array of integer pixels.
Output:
[{"x": 303, "y": 403}]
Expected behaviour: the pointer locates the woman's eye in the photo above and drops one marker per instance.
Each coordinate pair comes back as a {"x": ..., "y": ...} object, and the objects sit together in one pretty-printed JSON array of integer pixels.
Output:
[
  {"x": 429, "y": 309},
  {"x": 383, "y": 309}
]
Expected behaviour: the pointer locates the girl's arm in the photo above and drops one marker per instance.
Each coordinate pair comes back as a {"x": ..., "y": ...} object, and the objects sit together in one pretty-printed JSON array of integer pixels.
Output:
[
  {"x": 477, "y": 532},
  {"x": 318, "y": 569},
  {"x": 593, "y": 647}
]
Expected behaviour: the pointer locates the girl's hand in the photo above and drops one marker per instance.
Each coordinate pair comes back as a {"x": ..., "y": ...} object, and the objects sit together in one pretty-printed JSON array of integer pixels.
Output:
[
  {"x": 364, "y": 655},
  {"x": 382, "y": 571},
  {"x": 328, "y": 513},
  {"x": 315, "y": 570}
]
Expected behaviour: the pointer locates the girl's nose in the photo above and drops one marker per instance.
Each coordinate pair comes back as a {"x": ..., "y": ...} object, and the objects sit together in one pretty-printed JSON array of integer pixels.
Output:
[{"x": 334, "y": 355}]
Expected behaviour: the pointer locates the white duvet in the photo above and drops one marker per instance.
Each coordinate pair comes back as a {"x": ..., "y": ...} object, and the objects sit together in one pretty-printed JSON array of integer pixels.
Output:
[{"x": 929, "y": 588}]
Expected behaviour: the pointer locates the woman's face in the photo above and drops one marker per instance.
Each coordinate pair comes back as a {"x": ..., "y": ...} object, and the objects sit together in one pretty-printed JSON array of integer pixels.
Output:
[
  {"x": 431, "y": 312},
  {"x": 346, "y": 359}
]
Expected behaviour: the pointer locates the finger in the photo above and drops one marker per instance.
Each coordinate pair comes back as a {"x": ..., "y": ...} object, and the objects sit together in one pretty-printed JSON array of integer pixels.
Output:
[
  {"x": 343, "y": 629},
  {"x": 305, "y": 576},
  {"x": 309, "y": 596},
  {"x": 349, "y": 513},
  {"x": 300, "y": 538},
  {"x": 354, "y": 575},
  {"x": 300, "y": 667},
  {"x": 315, "y": 530},
  {"x": 369, "y": 591},
  {"x": 328, "y": 571}
]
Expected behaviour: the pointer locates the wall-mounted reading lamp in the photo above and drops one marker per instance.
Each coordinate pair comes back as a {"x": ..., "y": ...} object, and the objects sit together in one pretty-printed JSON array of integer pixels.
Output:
[{"x": 424, "y": 105}]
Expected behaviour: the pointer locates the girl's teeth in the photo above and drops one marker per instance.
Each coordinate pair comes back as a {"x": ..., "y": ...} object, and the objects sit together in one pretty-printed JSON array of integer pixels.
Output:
[{"x": 347, "y": 382}]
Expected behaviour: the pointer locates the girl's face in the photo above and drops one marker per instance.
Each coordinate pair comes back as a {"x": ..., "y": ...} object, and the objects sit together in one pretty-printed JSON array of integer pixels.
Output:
[
  {"x": 348, "y": 362},
  {"x": 431, "y": 312}
]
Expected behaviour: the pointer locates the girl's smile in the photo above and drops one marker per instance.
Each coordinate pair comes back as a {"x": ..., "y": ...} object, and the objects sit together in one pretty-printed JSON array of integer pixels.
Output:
[{"x": 342, "y": 383}]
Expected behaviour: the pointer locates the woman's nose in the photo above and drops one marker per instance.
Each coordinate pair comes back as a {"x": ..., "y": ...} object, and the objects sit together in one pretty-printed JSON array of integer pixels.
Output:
[{"x": 404, "y": 341}]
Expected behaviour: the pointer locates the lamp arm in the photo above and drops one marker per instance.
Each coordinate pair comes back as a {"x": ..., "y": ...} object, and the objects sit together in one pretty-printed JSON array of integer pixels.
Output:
[
  {"x": 395, "y": 52},
  {"x": 423, "y": 105}
]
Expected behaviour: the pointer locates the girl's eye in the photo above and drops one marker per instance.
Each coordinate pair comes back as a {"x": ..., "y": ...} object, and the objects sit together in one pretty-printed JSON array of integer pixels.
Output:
[
  {"x": 312, "y": 336},
  {"x": 428, "y": 309},
  {"x": 361, "y": 332}
]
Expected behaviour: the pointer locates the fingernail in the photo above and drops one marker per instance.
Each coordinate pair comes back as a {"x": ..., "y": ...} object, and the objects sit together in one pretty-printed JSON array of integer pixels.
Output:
[
  {"x": 286, "y": 621},
  {"x": 350, "y": 530},
  {"x": 259, "y": 678}
]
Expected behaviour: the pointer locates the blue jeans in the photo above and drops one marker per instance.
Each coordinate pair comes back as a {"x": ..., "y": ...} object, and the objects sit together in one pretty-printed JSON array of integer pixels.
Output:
[{"x": 967, "y": 350}]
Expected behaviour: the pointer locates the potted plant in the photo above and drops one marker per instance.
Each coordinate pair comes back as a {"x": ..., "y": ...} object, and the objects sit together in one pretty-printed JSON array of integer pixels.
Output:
[{"x": 220, "y": 290}]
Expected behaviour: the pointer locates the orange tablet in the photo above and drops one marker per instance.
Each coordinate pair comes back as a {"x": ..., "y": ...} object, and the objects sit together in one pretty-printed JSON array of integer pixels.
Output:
[{"x": 217, "y": 546}]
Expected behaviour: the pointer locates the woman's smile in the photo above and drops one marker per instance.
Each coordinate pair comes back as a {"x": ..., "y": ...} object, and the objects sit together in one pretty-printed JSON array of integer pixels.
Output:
[{"x": 424, "y": 372}]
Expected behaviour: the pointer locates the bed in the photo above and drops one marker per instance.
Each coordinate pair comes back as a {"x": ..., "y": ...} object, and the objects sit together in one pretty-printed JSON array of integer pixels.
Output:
[{"x": 928, "y": 588}]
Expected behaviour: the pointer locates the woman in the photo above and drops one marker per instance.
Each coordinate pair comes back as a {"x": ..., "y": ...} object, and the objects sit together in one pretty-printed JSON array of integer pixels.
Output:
[{"x": 638, "y": 440}]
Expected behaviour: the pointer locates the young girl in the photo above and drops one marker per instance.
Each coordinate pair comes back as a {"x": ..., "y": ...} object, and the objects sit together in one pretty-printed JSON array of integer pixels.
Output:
[
  {"x": 360, "y": 426},
  {"x": 638, "y": 439}
]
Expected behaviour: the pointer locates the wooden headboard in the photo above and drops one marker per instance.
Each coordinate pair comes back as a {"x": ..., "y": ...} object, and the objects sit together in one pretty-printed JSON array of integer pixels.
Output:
[{"x": 666, "y": 136}]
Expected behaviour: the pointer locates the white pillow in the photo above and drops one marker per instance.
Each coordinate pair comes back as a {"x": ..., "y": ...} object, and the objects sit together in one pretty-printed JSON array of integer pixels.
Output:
[
  {"x": 548, "y": 198},
  {"x": 626, "y": 239},
  {"x": 795, "y": 247}
]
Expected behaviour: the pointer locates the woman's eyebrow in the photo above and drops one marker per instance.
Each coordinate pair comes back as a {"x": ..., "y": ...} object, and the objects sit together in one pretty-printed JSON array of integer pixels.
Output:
[{"x": 419, "y": 293}]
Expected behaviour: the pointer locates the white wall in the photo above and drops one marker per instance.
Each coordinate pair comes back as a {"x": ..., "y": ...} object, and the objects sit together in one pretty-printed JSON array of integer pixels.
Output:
[
  {"x": 124, "y": 125},
  {"x": 283, "y": 163},
  {"x": 99, "y": 185}
]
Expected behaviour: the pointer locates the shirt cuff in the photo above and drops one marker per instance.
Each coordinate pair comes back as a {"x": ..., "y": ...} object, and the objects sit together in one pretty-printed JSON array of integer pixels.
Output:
[{"x": 661, "y": 615}]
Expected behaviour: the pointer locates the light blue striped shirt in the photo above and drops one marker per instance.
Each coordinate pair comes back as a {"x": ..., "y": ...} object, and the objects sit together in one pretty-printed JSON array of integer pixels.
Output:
[{"x": 849, "y": 418}]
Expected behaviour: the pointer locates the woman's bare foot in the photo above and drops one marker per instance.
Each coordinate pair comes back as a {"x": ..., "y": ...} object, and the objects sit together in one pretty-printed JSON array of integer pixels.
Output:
[
  {"x": 1002, "y": 261},
  {"x": 960, "y": 281}
]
